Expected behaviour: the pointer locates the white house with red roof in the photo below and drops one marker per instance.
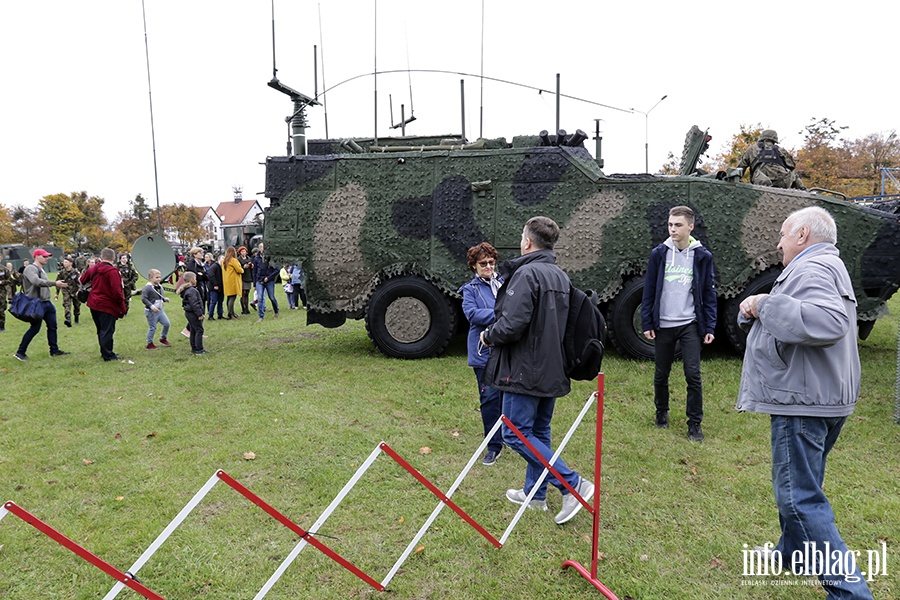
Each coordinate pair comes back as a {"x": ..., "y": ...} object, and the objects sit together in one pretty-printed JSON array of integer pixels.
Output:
[
  {"x": 241, "y": 220},
  {"x": 211, "y": 223}
]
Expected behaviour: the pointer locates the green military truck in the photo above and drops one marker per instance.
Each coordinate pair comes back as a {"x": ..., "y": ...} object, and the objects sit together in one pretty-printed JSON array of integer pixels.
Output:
[{"x": 382, "y": 230}]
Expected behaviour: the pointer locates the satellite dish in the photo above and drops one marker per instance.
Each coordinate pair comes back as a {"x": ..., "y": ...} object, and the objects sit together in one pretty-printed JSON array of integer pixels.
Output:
[{"x": 153, "y": 251}]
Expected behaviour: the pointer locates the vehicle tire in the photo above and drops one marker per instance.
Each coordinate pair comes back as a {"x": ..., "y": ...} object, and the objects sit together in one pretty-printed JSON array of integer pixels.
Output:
[
  {"x": 761, "y": 284},
  {"x": 624, "y": 322},
  {"x": 408, "y": 317}
]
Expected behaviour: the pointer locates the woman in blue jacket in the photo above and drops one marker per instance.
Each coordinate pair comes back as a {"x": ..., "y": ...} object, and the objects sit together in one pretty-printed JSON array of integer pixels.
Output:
[{"x": 479, "y": 296}]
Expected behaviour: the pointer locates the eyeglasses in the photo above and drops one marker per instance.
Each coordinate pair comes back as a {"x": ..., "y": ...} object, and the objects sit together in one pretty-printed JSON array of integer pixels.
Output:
[{"x": 487, "y": 263}]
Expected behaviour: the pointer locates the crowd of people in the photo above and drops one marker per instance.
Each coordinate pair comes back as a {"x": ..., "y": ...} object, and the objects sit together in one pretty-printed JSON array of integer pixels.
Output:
[{"x": 208, "y": 286}]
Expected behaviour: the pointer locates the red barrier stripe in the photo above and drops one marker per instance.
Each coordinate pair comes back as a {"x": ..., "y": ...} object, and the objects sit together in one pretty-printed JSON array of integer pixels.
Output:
[
  {"x": 546, "y": 464},
  {"x": 434, "y": 490},
  {"x": 81, "y": 551},
  {"x": 309, "y": 537}
]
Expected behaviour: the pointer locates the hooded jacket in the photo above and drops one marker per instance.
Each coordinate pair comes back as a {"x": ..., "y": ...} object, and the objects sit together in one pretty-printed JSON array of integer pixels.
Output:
[
  {"x": 527, "y": 336},
  {"x": 107, "y": 293},
  {"x": 801, "y": 357},
  {"x": 703, "y": 287}
]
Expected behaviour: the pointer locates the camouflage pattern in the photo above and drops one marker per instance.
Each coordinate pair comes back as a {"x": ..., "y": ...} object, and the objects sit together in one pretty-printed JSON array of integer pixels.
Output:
[
  {"x": 7, "y": 288},
  {"x": 71, "y": 304},
  {"x": 129, "y": 277},
  {"x": 361, "y": 220}
]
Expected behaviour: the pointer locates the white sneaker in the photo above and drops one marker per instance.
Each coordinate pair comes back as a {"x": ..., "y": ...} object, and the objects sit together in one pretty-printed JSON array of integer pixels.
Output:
[
  {"x": 571, "y": 505},
  {"x": 518, "y": 497}
]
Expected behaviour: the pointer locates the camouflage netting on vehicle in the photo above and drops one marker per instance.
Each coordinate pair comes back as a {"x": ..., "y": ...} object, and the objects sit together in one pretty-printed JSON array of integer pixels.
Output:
[{"x": 360, "y": 220}]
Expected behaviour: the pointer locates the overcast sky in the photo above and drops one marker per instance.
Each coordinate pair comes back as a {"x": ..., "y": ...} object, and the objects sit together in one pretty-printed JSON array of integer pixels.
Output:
[{"x": 75, "y": 111}]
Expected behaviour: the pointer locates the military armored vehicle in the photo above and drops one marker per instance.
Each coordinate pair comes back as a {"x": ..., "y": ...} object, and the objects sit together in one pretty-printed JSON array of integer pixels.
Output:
[{"x": 382, "y": 229}]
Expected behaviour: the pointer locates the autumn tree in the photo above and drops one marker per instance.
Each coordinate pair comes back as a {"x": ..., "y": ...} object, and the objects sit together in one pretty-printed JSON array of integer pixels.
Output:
[
  {"x": 31, "y": 228},
  {"x": 869, "y": 155},
  {"x": 183, "y": 222},
  {"x": 8, "y": 234},
  {"x": 74, "y": 218},
  {"x": 139, "y": 220}
]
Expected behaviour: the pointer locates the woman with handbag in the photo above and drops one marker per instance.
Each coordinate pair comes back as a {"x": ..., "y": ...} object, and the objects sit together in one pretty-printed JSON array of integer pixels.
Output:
[{"x": 36, "y": 285}]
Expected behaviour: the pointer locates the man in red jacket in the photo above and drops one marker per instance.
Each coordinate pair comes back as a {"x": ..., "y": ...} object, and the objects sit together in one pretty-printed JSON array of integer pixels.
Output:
[{"x": 106, "y": 301}]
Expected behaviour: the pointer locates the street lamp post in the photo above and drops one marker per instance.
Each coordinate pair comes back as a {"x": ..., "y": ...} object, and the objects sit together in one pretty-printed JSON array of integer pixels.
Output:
[{"x": 646, "y": 132}]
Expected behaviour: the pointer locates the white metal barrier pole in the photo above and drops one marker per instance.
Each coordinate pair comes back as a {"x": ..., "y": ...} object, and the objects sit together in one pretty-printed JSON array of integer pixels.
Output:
[
  {"x": 3, "y": 512},
  {"x": 546, "y": 472},
  {"x": 441, "y": 505},
  {"x": 181, "y": 516},
  {"x": 319, "y": 522}
]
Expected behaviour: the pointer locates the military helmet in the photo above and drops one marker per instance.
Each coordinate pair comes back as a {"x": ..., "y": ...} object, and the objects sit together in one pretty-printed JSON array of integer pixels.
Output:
[{"x": 768, "y": 134}]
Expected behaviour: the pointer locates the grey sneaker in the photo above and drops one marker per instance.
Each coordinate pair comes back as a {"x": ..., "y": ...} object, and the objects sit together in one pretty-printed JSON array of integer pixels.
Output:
[
  {"x": 20, "y": 356},
  {"x": 518, "y": 497},
  {"x": 571, "y": 505}
]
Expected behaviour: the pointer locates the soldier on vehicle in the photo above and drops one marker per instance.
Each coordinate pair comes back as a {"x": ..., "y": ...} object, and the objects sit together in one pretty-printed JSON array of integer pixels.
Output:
[
  {"x": 769, "y": 163},
  {"x": 69, "y": 274}
]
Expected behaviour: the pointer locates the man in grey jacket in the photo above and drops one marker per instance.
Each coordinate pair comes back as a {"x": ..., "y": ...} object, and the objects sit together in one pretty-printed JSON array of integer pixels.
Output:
[
  {"x": 528, "y": 364},
  {"x": 36, "y": 285},
  {"x": 801, "y": 366}
]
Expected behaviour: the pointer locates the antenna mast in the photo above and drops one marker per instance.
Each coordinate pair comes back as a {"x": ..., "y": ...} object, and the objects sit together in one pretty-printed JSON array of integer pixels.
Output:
[{"x": 152, "y": 127}]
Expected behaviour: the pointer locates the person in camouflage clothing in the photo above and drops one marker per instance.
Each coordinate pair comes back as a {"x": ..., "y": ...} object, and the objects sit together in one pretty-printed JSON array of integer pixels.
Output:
[
  {"x": 71, "y": 304},
  {"x": 769, "y": 163},
  {"x": 128, "y": 273},
  {"x": 7, "y": 288}
]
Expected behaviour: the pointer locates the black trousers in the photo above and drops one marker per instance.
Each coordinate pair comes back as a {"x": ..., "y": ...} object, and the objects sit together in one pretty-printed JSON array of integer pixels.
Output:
[
  {"x": 666, "y": 338},
  {"x": 106, "y": 329}
]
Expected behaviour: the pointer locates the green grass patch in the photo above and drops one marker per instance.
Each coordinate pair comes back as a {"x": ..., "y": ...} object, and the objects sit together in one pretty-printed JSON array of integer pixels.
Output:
[{"x": 109, "y": 453}]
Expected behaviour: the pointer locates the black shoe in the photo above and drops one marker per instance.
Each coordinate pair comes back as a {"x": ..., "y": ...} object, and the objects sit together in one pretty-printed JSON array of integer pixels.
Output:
[
  {"x": 199, "y": 352},
  {"x": 59, "y": 353},
  {"x": 662, "y": 419},
  {"x": 211, "y": 318},
  {"x": 76, "y": 320},
  {"x": 695, "y": 434},
  {"x": 113, "y": 357},
  {"x": 20, "y": 356},
  {"x": 490, "y": 457},
  {"x": 67, "y": 323}
]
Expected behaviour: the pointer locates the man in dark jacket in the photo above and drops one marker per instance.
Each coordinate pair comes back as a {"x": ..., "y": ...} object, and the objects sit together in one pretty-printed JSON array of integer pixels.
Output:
[
  {"x": 528, "y": 362},
  {"x": 36, "y": 285},
  {"x": 107, "y": 300}
]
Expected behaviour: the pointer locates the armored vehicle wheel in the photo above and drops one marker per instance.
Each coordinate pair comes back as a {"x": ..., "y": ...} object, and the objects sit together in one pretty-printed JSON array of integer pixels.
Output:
[
  {"x": 762, "y": 284},
  {"x": 408, "y": 317},
  {"x": 624, "y": 322}
]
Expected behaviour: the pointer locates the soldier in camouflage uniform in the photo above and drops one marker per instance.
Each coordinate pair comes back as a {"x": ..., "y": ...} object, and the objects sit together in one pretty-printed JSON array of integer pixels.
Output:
[
  {"x": 769, "y": 163},
  {"x": 128, "y": 273},
  {"x": 71, "y": 304},
  {"x": 7, "y": 286}
]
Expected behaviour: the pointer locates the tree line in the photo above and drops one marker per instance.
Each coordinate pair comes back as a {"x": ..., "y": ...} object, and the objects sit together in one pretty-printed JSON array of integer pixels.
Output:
[
  {"x": 75, "y": 222},
  {"x": 824, "y": 160}
]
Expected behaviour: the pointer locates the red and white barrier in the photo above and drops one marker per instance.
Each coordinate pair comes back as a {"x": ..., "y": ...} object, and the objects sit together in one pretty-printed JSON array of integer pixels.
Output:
[{"x": 308, "y": 537}]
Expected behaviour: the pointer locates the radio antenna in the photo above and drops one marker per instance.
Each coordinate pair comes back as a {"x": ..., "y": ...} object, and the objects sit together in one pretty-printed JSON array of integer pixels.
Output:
[
  {"x": 322, "y": 50},
  {"x": 274, "y": 70},
  {"x": 152, "y": 127}
]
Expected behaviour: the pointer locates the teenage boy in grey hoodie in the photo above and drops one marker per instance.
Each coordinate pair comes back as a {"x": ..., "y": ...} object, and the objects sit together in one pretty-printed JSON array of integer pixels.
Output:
[{"x": 679, "y": 304}]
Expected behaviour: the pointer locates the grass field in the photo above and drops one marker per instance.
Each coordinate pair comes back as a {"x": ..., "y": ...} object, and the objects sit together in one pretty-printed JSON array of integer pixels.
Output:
[{"x": 109, "y": 453}]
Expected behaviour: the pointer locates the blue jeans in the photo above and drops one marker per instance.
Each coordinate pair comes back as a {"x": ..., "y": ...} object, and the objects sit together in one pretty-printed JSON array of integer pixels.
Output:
[
  {"x": 666, "y": 338},
  {"x": 532, "y": 416},
  {"x": 216, "y": 298},
  {"x": 261, "y": 290},
  {"x": 491, "y": 409},
  {"x": 800, "y": 446},
  {"x": 152, "y": 319},
  {"x": 50, "y": 320}
]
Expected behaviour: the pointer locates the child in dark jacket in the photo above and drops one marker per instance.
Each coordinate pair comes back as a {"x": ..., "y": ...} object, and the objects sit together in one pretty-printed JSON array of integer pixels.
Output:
[{"x": 192, "y": 303}]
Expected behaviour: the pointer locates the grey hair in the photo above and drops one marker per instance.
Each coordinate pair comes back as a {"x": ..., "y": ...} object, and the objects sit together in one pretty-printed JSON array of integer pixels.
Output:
[
  {"x": 819, "y": 221},
  {"x": 108, "y": 255}
]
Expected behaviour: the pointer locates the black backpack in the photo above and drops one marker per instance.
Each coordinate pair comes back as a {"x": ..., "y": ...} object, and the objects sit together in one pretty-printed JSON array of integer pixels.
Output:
[{"x": 584, "y": 337}]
